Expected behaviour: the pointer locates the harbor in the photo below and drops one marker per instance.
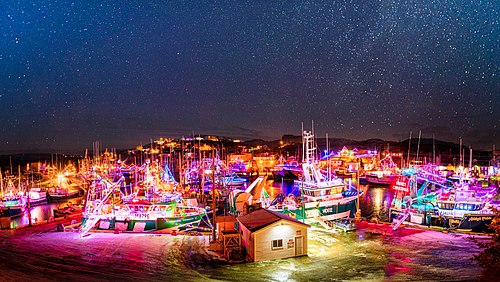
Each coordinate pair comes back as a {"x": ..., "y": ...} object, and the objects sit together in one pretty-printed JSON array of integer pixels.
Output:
[
  {"x": 373, "y": 252},
  {"x": 250, "y": 141},
  {"x": 190, "y": 212}
]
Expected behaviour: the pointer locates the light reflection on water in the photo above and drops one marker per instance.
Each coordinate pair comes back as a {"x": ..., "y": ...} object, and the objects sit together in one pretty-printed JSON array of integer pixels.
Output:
[
  {"x": 375, "y": 203},
  {"x": 40, "y": 213}
]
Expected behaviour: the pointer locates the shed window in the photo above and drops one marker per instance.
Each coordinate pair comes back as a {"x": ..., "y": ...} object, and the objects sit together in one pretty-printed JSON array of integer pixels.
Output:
[{"x": 277, "y": 244}]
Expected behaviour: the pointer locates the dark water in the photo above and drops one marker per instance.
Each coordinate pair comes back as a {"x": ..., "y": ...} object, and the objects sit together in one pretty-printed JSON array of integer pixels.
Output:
[
  {"x": 40, "y": 213},
  {"x": 374, "y": 202}
]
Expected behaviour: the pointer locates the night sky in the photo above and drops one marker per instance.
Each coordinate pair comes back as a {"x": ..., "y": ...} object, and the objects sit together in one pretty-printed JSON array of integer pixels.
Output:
[{"x": 123, "y": 72}]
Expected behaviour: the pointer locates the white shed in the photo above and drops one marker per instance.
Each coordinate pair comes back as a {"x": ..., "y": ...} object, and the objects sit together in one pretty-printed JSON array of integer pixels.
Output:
[{"x": 269, "y": 235}]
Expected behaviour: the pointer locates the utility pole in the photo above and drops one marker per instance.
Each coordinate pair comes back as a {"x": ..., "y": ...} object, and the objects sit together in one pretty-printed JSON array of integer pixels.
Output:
[
  {"x": 358, "y": 211},
  {"x": 214, "y": 203},
  {"x": 29, "y": 201}
]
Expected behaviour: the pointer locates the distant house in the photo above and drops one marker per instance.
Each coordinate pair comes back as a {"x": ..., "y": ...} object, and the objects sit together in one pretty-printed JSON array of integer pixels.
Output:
[{"x": 268, "y": 235}]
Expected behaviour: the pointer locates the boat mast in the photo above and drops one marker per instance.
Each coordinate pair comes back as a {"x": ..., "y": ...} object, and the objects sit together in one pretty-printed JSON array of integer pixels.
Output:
[
  {"x": 19, "y": 180},
  {"x": 303, "y": 144},
  {"x": 470, "y": 158},
  {"x": 418, "y": 145},
  {"x": 408, "y": 157},
  {"x": 434, "y": 149},
  {"x": 181, "y": 171},
  {"x": 1, "y": 182},
  {"x": 327, "y": 158},
  {"x": 460, "y": 149},
  {"x": 313, "y": 155}
]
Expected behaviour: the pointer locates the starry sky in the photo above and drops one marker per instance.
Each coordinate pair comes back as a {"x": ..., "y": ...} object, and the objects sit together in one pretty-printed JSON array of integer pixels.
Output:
[{"x": 124, "y": 72}]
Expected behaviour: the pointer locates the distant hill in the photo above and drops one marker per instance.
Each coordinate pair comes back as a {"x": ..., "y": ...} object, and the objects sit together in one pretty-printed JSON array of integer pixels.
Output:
[
  {"x": 447, "y": 152},
  {"x": 290, "y": 145}
]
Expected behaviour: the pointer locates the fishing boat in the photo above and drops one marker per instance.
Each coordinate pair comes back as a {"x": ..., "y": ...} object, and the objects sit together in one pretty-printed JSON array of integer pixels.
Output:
[
  {"x": 459, "y": 206},
  {"x": 381, "y": 178},
  {"x": 107, "y": 208},
  {"x": 466, "y": 206},
  {"x": 387, "y": 174},
  {"x": 37, "y": 196},
  {"x": 59, "y": 194},
  {"x": 322, "y": 197},
  {"x": 61, "y": 189},
  {"x": 12, "y": 202},
  {"x": 12, "y": 205},
  {"x": 287, "y": 169}
]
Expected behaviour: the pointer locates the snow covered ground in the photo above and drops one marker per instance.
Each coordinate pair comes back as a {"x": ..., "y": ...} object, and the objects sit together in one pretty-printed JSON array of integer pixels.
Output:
[{"x": 374, "y": 253}]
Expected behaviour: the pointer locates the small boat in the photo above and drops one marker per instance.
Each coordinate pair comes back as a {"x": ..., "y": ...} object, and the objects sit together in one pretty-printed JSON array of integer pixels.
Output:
[
  {"x": 67, "y": 210},
  {"x": 37, "y": 196},
  {"x": 387, "y": 174},
  {"x": 12, "y": 206},
  {"x": 12, "y": 203},
  {"x": 381, "y": 178},
  {"x": 289, "y": 169},
  {"x": 58, "y": 194},
  {"x": 345, "y": 224},
  {"x": 62, "y": 188}
]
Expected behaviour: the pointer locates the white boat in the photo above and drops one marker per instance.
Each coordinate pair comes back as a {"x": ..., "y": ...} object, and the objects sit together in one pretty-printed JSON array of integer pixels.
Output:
[
  {"x": 322, "y": 197},
  {"x": 387, "y": 173},
  {"x": 381, "y": 178},
  {"x": 37, "y": 196}
]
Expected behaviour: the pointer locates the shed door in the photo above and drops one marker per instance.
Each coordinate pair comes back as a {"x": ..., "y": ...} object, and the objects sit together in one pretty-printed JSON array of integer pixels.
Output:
[{"x": 299, "y": 246}]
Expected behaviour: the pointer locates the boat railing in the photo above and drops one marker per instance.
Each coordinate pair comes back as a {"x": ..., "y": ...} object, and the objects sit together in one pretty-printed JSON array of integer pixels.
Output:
[{"x": 400, "y": 219}]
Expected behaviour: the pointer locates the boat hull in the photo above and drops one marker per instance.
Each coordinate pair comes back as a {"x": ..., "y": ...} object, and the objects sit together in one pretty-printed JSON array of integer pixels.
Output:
[
  {"x": 326, "y": 211},
  {"x": 469, "y": 222},
  {"x": 386, "y": 180},
  {"x": 55, "y": 198},
  {"x": 38, "y": 202},
  {"x": 12, "y": 211},
  {"x": 138, "y": 225}
]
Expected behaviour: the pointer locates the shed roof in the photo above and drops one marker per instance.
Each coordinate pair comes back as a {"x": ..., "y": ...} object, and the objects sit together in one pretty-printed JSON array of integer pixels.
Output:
[{"x": 261, "y": 218}]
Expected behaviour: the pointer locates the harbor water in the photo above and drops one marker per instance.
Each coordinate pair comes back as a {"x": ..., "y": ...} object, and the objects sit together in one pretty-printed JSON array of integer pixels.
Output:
[{"x": 40, "y": 213}]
